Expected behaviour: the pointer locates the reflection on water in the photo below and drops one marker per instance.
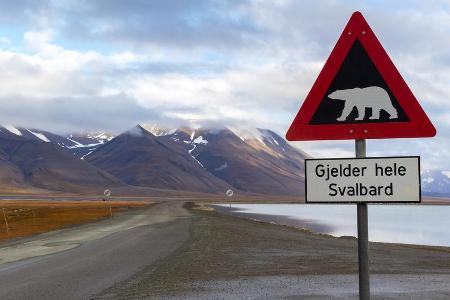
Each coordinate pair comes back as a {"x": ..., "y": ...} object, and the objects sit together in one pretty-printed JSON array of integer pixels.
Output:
[{"x": 411, "y": 224}]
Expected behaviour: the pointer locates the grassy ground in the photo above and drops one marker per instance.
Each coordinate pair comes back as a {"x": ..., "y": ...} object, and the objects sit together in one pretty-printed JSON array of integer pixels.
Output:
[{"x": 26, "y": 218}]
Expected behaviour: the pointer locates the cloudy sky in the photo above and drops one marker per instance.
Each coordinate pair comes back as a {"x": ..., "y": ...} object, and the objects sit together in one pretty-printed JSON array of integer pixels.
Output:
[{"x": 73, "y": 65}]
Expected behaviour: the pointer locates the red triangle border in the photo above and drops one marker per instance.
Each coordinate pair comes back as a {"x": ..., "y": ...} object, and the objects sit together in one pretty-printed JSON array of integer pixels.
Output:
[{"x": 418, "y": 125}]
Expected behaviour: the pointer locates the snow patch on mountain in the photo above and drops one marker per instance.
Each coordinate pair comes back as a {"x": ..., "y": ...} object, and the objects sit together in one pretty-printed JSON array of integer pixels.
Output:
[
  {"x": 39, "y": 136},
  {"x": 89, "y": 139},
  {"x": 221, "y": 168},
  {"x": 194, "y": 157},
  {"x": 193, "y": 148},
  {"x": 86, "y": 154},
  {"x": 446, "y": 173},
  {"x": 83, "y": 144},
  {"x": 200, "y": 140},
  {"x": 13, "y": 130},
  {"x": 264, "y": 136},
  {"x": 101, "y": 137},
  {"x": 428, "y": 179},
  {"x": 247, "y": 133},
  {"x": 194, "y": 143},
  {"x": 79, "y": 145},
  {"x": 158, "y": 130}
]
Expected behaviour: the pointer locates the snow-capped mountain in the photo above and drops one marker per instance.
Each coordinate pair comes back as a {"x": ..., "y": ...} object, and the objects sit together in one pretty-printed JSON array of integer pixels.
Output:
[
  {"x": 31, "y": 158},
  {"x": 436, "y": 182},
  {"x": 249, "y": 160},
  {"x": 140, "y": 158},
  {"x": 79, "y": 144},
  {"x": 83, "y": 144},
  {"x": 28, "y": 133},
  {"x": 158, "y": 130},
  {"x": 212, "y": 160}
]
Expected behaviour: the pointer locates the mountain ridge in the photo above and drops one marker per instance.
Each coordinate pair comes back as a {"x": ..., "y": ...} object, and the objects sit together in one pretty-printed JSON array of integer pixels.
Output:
[{"x": 251, "y": 161}]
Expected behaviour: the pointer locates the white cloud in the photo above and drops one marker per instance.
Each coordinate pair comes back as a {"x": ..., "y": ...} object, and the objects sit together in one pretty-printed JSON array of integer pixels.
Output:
[
  {"x": 40, "y": 41},
  {"x": 253, "y": 64},
  {"x": 4, "y": 42}
]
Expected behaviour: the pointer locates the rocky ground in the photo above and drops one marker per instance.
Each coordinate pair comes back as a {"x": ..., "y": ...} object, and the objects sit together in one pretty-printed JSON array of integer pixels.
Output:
[{"x": 230, "y": 258}]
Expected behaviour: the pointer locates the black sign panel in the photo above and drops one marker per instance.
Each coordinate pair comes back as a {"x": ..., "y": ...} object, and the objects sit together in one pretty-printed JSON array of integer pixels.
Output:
[{"x": 358, "y": 94}]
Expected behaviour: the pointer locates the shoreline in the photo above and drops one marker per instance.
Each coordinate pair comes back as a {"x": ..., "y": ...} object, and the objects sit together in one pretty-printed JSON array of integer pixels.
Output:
[{"x": 306, "y": 225}]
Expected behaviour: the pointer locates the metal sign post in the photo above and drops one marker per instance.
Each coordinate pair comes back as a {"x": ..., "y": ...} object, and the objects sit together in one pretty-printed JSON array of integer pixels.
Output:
[
  {"x": 359, "y": 95},
  {"x": 362, "y": 180},
  {"x": 363, "y": 235}
]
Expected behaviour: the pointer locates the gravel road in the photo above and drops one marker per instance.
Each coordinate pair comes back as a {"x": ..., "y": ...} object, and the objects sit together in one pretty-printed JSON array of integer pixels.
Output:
[
  {"x": 78, "y": 262},
  {"x": 176, "y": 251}
]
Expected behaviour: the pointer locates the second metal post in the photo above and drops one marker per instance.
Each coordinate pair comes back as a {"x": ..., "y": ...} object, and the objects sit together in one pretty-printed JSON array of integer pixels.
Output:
[{"x": 363, "y": 236}]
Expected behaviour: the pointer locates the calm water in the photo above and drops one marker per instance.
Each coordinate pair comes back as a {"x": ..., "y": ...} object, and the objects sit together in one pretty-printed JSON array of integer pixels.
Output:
[{"x": 411, "y": 224}]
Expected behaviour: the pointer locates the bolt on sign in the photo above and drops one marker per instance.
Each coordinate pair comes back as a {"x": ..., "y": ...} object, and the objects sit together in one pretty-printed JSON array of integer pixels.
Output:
[{"x": 376, "y": 179}]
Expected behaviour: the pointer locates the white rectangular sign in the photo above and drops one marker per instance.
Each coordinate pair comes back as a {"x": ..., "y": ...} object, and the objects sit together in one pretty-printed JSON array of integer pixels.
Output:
[{"x": 374, "y": 179}]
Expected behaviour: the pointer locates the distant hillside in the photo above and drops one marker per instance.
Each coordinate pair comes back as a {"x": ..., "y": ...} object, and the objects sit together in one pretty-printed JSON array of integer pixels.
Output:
[
  {"x": 436, "y": 183},
  {"x": 141, "y": 159},
  {"x": 33, "y": 160},
  {"x": 208, "y": 160},
  {"x": 251, "y": 160},
  {"x": 149, "y": 159}
]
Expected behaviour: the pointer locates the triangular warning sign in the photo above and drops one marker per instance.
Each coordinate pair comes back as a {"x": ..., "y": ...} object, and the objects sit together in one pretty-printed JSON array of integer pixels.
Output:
[{"x": 359, "y": 94}]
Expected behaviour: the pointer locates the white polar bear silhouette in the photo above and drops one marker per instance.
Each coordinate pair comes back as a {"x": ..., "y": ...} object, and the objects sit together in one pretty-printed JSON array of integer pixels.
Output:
[{"x": 371, "y": 97}]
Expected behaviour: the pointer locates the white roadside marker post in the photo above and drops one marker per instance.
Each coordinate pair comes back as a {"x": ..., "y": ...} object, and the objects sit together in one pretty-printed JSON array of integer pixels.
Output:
[
  {"x": 363, "y": 235},
  {"x": 107, "y": 194},
  {"x": 230, "y": 194}
]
